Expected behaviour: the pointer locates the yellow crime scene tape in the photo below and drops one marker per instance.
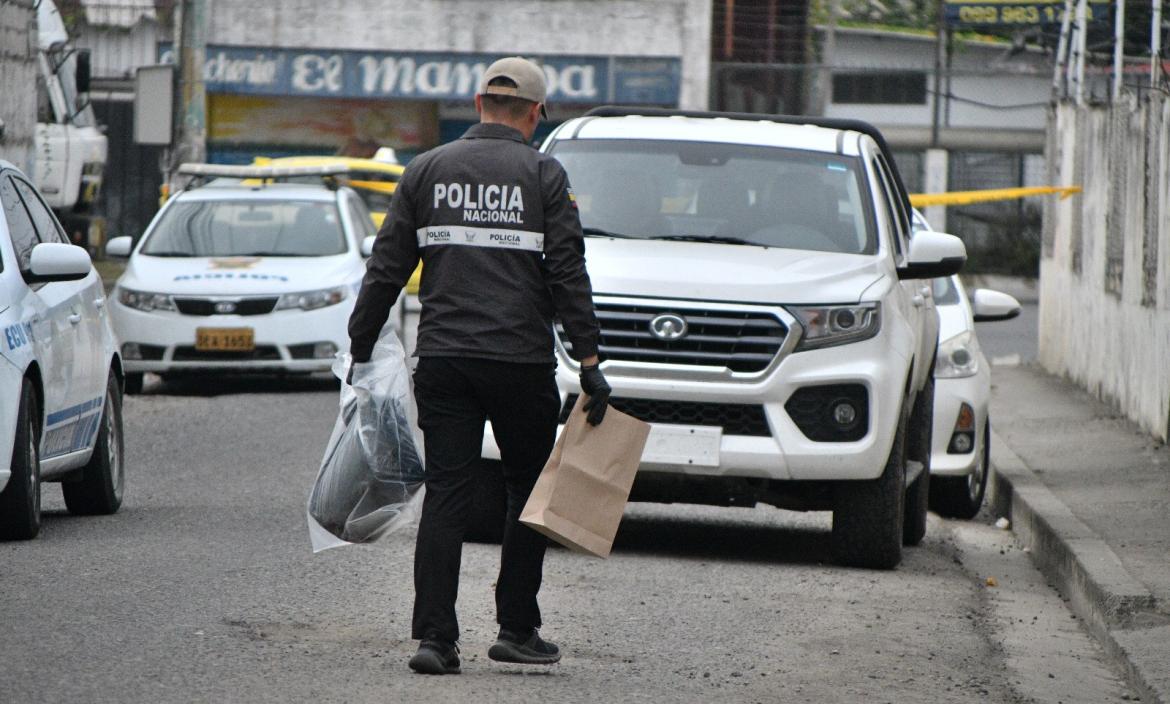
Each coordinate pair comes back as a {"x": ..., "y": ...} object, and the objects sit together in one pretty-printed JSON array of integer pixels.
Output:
[{"x": 925, "y": 200}]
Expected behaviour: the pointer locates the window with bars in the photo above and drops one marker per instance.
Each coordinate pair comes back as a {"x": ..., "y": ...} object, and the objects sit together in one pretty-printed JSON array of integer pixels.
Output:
[{"x": 880, "y": 88}]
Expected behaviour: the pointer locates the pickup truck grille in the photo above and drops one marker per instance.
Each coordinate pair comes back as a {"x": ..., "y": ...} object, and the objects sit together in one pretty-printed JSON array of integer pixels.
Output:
[
  {"x": 742, "y": 341},
  {"x": 734, "y": 418}
]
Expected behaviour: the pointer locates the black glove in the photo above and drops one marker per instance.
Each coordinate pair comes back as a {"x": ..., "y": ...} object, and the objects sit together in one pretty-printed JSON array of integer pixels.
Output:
[{"x": 594, "y": 385}]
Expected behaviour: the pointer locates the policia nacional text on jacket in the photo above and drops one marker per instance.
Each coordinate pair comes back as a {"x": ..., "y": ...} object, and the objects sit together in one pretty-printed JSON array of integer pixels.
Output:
[{"x": 500, "y": 240}]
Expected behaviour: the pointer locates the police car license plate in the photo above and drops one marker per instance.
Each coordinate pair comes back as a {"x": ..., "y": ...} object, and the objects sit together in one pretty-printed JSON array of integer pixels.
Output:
[
  {"x": 697, "y": 445},
  {"x": 224, "y": 339}
]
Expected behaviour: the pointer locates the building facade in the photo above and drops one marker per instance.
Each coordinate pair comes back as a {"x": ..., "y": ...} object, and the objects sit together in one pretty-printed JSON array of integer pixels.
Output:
[
  {"x": 18, "y": 108},
  {"x": 984, "y": 129},
  {"x": 300, "y": 76}
]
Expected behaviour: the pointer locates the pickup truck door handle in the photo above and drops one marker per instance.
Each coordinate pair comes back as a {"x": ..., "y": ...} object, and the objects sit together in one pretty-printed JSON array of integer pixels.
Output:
[{"x": 75, "y": 318}]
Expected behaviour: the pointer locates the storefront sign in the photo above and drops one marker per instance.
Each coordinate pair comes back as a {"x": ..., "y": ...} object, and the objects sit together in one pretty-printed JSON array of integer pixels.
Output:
[
  {"x": 1012, "y": 13},
  {"x": 429, "y": 76}
]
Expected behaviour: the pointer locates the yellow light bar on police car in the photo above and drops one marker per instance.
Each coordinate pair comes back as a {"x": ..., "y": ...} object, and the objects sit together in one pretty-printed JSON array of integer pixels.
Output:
[{"x": 261, "y": 172}]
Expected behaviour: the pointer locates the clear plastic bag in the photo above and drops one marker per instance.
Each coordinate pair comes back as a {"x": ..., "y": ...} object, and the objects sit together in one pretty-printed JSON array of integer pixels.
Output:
[{"x": 371, "y": 479}]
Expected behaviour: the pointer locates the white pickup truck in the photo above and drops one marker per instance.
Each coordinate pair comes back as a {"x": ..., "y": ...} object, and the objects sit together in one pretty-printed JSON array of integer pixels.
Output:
[{"x": 765, "y": 307}]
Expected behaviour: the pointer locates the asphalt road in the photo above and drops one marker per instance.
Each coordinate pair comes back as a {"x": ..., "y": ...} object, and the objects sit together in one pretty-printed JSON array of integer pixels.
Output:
[
  {"x": 1011, "y": 342},
  {"x": 204, "y": 589}
]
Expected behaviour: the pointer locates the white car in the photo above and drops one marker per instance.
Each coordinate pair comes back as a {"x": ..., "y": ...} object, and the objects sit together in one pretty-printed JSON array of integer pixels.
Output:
[
  {"x": 961, "y": 445},
  {"x": 60, "y": 372},
  {"x": 246, "y": 273},
  {"x": 763, "y": 306}
]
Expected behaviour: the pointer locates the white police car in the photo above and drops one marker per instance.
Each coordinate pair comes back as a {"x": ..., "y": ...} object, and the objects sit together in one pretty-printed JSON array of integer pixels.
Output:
[
  {"x": 250, "y": 272},
  {"x": 60, "y": 388}
]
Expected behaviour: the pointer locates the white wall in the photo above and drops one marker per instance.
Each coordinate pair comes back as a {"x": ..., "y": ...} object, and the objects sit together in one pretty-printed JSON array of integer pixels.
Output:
[
  {"x": 674, "y": 28},
  {"x": 18, "y": 108},
  {"x": 980, "y": 72},
  {"x": 1115, "y": 343}
]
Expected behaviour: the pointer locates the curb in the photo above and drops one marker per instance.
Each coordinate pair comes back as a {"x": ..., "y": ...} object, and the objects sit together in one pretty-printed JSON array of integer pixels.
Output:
[{"x": 1111, "y": 603}]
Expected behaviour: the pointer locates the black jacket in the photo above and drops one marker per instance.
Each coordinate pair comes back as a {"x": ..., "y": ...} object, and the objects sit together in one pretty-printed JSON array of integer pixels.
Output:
[{"x": 496, "y": 226}]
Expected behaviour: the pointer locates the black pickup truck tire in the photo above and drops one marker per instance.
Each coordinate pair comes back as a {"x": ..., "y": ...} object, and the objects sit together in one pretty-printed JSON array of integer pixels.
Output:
[
  {"x": 868, "y": 514},
  {"x": 921, "y": 435}
]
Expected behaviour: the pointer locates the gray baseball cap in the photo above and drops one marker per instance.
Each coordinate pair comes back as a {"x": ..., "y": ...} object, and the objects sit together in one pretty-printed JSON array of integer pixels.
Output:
[{"x": 528, "y": 77}]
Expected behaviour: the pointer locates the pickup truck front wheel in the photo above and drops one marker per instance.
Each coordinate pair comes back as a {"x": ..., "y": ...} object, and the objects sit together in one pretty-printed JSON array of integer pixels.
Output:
[{"x": 868, "y": 515}]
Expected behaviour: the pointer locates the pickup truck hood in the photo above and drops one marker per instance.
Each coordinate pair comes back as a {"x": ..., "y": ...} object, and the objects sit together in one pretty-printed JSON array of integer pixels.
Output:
[
  {"x": 239, "y": 275},
  {"x": 725, "y": 272}
]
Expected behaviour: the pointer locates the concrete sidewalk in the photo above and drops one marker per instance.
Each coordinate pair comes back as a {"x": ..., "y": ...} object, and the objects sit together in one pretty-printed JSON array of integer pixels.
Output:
[{"x": 1089, "y": 494}]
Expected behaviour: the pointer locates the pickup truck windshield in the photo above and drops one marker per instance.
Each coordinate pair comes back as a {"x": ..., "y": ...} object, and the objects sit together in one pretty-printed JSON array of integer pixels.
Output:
[
  {"x": 723, "y": 193},
  {"x": 227, "y": 228}
]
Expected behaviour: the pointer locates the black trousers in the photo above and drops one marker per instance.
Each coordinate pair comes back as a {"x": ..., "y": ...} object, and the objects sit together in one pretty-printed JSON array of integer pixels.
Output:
[{"x": 455, "y": 396}]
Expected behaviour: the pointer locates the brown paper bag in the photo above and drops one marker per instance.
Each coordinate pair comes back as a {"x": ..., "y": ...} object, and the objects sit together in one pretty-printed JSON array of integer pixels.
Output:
[{"x": 580, "y": 496}]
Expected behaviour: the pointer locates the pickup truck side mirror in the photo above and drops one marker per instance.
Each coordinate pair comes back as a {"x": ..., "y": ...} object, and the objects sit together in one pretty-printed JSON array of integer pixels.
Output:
[
  {"x": 368, "y": 246},
  {"x": 988, "y": 305},
  {"x": 119, "y": 247},
  {"x": 56, "y": 261},
  {"x": 84, "y": 71},
  {"x": 933, "y": 254}
]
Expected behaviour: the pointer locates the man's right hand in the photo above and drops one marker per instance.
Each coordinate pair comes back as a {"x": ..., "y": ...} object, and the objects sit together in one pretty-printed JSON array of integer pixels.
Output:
[
  {"x": 594, "y": 385},
  {"x": 349, "y": 374}
]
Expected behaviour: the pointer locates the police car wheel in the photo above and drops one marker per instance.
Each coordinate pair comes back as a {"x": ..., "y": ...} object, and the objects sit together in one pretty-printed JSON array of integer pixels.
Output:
[
  {"x": 133, "y": 383},
  {"x": 99, "y": 490},
  {"x": 489, "y": 505},
  {"x": 20, "y": 502}
]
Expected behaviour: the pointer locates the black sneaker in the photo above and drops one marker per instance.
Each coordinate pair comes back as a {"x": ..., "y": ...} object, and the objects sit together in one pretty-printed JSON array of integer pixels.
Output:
[
  {"x": 436, "y": 657},
  {"x": 524, "y": 648}
]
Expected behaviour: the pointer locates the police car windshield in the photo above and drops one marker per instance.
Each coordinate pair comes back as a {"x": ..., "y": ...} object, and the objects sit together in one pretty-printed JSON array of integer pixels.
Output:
[
  {"x": 227, "y": 228},
  {"x": 722, "y": 193}
]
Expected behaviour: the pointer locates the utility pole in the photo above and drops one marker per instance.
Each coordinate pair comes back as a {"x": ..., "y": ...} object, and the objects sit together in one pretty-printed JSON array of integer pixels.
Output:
[
  {"x": 190, "y": 142},
  {"x": 1156, "y": 44},
  {"x": 1118, "y": 50},
  {"x": 828, "y": 51},
  {"x": 940, "y": 56}
]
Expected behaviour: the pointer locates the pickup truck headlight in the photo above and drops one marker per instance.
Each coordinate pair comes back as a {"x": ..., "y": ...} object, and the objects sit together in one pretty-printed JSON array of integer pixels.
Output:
[
  {"x": 145, "y": 301},
  {"x": 958, "y": 357},
  {"x": 828, "y": 326},
  {"x": 312, "y": 300}
]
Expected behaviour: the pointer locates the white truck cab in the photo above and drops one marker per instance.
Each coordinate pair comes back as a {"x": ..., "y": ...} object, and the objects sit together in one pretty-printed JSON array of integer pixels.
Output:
[{"x": 70, "y": 149}]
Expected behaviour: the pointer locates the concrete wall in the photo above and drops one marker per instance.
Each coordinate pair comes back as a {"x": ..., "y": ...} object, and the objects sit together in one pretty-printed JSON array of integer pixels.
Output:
[
  {"x": 676, "y": 28},
  {"x": 18, "y": 106},
  {"x": 1105, "y": 266}
]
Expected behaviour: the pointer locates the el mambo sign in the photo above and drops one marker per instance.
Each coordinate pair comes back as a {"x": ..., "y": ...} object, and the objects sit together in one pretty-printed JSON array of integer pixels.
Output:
[{"x": 428, "y": 76}]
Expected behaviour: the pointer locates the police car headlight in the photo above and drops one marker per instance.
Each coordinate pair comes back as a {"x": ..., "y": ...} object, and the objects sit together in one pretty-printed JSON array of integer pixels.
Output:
[
  {"x": 958, "y": 357},
  {"x": 145, "y": 301},
  {"x": 312, "y": 300},
  {"x": 828, "y": 326}
]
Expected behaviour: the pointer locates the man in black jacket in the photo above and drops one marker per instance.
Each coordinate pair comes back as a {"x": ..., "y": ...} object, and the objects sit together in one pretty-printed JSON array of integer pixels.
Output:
[{"x": 496, "y": 226}]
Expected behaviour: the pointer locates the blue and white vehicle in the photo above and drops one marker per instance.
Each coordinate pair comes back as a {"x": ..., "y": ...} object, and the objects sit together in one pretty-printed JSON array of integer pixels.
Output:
[
  {"x": 60, "y": 372},
  {"x": 248, "y": 273}
]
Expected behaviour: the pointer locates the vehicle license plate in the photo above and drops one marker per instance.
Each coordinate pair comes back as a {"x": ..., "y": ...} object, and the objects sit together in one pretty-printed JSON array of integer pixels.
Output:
[
  {"x": 683, "y": 444},
  {"x": 224, "y": 339}
]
